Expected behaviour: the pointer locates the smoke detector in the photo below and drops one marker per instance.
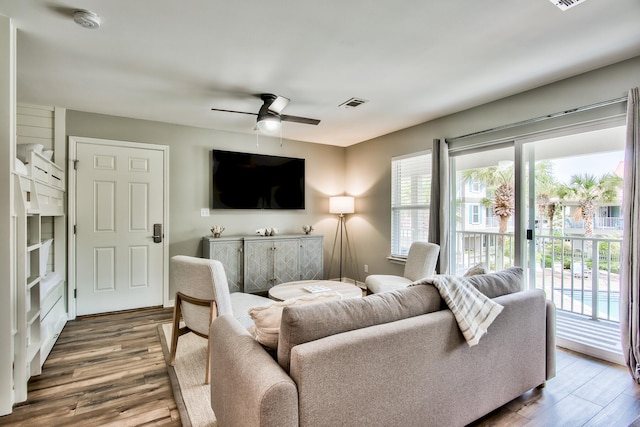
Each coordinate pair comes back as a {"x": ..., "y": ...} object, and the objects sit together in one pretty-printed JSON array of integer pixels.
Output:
[
  {"x": 566, "y": 4},
  {"x": 86, "y": 19}
]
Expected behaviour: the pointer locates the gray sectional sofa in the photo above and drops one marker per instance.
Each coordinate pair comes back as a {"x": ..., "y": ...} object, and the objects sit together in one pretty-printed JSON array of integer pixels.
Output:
[{"x": 390, "y": 359}]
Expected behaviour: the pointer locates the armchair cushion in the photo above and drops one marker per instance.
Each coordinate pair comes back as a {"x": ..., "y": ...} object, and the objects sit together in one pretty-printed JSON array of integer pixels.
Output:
[
  {"x": 241, "y": 303},
  {"x": 377, "y": 283},
  {"x": 421, "y": 260}
]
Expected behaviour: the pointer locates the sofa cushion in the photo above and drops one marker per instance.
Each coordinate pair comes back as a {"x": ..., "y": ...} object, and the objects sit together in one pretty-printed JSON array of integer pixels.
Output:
[
  {"x": 267, "y": 318},
  {"x": 302, "y": 324},
  {"x": 497, "y": 284}
]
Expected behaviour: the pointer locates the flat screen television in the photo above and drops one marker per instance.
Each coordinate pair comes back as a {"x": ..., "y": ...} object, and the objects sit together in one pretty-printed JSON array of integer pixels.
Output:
[{"x": 256, "y": 181}]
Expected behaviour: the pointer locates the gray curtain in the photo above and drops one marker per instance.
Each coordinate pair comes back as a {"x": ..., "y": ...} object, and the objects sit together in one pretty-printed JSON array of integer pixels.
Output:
[
  {"x": 439, "y": 211},
  {"x": 630, "y": 264}
]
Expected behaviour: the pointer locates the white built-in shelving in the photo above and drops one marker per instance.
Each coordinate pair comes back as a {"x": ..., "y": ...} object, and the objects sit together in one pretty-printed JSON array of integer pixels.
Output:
[{"x": 40, "y": 312}]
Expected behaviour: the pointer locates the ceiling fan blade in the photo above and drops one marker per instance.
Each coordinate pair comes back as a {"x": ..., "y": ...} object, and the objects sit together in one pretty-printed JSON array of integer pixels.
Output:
[
  {"x": 234, "y": 111},
  {"x": 296, "y": 119}
]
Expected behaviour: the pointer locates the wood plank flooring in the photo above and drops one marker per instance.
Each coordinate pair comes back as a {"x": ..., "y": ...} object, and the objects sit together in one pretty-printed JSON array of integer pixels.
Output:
[
  {"x": 586, "y": 392},
  {"x": 109, "y": 370},
  {"x": 103, "y": 370}
]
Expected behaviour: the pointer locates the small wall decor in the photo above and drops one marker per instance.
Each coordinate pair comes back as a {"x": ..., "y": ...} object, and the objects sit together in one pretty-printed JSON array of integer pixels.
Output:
[
  {"x": 307, "y": 229},
  {"x": 217, "y": 230}
]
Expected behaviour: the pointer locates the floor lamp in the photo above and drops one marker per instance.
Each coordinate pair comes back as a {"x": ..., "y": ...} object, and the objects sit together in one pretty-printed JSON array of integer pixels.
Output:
[{"x": 341, "y": 205}]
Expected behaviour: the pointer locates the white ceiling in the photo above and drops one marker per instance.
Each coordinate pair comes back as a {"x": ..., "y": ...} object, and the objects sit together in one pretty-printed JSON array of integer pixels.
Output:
[{"x": 172, "y": 61}]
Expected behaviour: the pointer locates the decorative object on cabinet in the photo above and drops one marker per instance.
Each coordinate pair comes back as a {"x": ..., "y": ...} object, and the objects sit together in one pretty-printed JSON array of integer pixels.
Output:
[
  {"x": 307, "y": 229},
  {"x": 265, "y": 232},
  {"x": 341, "y": 205},
  {"x": 217, "y": 230},
  {"x": 254, "y": 264}
]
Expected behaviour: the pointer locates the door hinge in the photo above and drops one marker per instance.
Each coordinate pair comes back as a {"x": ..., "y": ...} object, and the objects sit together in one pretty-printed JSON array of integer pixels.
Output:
[
  {"x": 75, "y": 229},
  {"x": 75, "y": 293},
  {"x": 75, "y": 164},
  {"x": 529, "y": 234}
]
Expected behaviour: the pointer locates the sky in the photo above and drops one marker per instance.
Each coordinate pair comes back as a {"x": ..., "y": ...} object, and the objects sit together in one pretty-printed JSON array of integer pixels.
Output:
[{"x": 596, "y": 164}]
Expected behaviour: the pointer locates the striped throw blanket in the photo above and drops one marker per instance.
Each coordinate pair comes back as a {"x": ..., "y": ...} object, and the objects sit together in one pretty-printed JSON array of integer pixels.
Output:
[{"x": 473, "y": 311}]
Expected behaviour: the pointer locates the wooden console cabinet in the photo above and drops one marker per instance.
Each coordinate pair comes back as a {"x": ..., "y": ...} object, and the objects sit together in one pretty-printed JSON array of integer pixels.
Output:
[{"x": 255, "y": 264}]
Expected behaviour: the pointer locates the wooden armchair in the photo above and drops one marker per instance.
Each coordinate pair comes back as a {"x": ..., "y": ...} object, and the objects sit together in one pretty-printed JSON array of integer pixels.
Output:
[{"x": 202, "y": 293}]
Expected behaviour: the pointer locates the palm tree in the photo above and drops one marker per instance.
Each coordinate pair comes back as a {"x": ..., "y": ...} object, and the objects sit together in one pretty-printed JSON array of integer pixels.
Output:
[
  {"x": 589, "y": 190},
  {"x": 499, "y": 181},
  {"x": 546, "y": 191}
]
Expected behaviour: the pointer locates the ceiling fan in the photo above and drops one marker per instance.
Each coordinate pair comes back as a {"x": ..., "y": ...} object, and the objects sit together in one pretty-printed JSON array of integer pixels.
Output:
[{"x": 270, "y": 114}]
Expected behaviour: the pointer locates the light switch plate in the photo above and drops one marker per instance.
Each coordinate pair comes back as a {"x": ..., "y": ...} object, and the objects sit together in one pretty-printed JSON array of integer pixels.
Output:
[{"x": 204, "y": 212}]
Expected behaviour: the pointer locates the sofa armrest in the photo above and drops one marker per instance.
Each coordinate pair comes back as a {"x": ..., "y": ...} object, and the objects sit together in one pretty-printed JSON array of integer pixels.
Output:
[
  {"x": 248, "y": 387},
  {"x": 551, "y": 339}
]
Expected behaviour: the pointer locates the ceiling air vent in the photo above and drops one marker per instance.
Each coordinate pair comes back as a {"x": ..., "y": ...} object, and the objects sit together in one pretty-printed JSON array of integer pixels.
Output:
[
  {"x": 352, "y": 103},
  {"x": 566, "y": 4}
]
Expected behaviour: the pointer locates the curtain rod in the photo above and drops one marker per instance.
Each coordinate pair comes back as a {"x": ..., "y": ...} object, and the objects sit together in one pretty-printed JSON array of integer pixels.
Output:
[{"x": 542, "y": 118}]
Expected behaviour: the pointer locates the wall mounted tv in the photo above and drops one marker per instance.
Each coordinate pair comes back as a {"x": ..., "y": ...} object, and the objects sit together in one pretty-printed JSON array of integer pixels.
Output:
[{"x": 256, "y": 181}]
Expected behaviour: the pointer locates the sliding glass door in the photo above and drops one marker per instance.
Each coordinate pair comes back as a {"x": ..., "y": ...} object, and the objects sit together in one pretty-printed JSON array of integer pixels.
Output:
[
  {"x": 574, "y": 216},
  {"x": 551, "y": 205},
  {"x": 484, "y": 208}
]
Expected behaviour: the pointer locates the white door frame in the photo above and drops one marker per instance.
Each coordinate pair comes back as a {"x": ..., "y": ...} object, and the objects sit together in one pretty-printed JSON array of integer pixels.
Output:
[{"x": 71, "y": 216}]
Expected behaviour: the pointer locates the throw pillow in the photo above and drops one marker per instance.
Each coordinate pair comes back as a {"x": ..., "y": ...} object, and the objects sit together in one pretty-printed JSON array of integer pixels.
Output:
[
  {"x": 267, "y": 319},
  {"x": 476, "y": 269},
  {"x": 497, "y": 284}
]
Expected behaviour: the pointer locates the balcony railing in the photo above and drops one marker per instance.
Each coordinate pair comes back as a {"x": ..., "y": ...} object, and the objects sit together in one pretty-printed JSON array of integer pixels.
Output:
[{"x": 579, "y": 274}]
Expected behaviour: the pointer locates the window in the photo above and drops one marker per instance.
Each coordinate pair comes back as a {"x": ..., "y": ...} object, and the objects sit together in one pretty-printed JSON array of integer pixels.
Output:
[
  {"x": 474, "y": 214},
  {"x": 475, "y": 186},
  {"x": 410, "y": 200}
]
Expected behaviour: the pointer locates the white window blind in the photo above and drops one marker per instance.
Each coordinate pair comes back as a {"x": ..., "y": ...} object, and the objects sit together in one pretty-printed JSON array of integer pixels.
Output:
[{"x": 410, "y": 200}]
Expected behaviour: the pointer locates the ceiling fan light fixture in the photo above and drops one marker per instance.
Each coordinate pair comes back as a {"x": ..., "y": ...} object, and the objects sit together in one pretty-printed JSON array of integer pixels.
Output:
[{"x": 268, "y": 122}]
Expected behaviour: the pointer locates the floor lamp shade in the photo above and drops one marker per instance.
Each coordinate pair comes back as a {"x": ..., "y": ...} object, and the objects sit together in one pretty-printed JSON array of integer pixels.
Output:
[{"x": 341, "y": 205}]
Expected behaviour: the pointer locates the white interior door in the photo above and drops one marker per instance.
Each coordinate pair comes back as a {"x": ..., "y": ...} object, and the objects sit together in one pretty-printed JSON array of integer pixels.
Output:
[{"x": 119, "y": 201}]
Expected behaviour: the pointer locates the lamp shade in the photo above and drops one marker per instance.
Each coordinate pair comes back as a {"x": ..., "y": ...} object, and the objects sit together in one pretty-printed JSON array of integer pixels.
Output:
[{"x": 341, "y": 205}]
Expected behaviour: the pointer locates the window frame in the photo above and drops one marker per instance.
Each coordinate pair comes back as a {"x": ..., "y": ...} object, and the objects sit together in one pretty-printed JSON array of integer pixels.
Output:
[
  {"x": 412, "y": 207},
  {"x": 475, "y": 214}
]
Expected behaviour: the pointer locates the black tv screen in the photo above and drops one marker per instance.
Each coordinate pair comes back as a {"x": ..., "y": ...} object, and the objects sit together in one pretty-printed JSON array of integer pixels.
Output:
[{"x": 256, "y": 181}]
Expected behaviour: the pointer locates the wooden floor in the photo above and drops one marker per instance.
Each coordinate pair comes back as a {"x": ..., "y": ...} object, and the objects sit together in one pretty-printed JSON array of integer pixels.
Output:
[
  {"x": 110, "y": 370},
  {"x": 585, "y": 392},
  {"x": 103, "y": 370}
]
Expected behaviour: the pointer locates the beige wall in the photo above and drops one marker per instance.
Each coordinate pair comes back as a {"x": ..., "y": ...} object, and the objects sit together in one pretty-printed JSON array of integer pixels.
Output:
[
  {"x": 368, "y": 164},
  {"x": 189, "y": 177},
  {"x": 362, "y": 170}
]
